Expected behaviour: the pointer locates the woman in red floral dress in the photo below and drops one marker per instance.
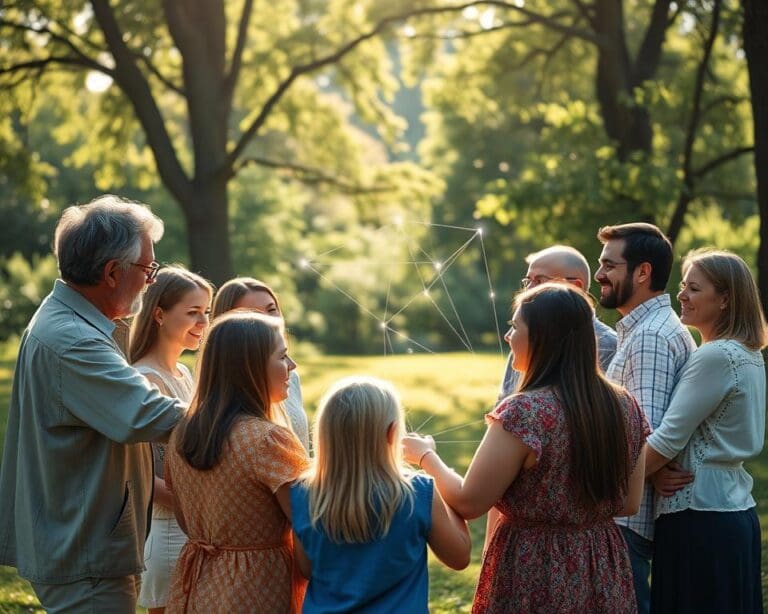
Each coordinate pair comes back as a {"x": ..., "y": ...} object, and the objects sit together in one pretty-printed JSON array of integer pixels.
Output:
[{"x": 559, "y": 460}]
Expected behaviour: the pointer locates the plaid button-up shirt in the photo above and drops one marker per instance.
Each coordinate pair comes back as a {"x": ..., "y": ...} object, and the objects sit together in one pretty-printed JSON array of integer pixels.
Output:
[{"x": 653, "y": 345}]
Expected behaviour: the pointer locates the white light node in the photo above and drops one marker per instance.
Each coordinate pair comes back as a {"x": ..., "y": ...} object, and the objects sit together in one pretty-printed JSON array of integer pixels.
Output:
[
  {"x": 303, "y": 263},
  {"x": 438, "y": 265},
  {"x": 410, "y": 350},
  {"x": 480, "y": 230},
  {"x": 492, "y": 295},
  {"x": 425, "y": 292},
  {"x": 383, "y": 325}
]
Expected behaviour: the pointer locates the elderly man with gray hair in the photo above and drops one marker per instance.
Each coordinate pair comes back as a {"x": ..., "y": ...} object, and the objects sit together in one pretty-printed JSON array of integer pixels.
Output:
[
  {"x": 565, "y": 264},
  {"x": 76, "y": 476}
]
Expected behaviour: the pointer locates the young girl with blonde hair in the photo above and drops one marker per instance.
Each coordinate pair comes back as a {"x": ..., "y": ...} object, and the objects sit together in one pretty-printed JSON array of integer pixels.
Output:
[
  {"x": 173, "y": 318},
  {"x": 362, "y": 521}
]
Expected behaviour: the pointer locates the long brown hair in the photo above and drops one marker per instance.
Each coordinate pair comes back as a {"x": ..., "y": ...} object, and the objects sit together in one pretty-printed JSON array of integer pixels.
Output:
[
  {"x": 232, "y": 382},
  {"x": 235, "y": 289},
  {"x": 563, "y": 354},
  {"x": 170, "y": 286}
]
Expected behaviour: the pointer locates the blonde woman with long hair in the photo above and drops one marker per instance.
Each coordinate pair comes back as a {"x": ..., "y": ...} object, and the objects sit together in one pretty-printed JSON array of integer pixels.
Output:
[
  {"x": 173, "y": 318},
  {"x": 707, "y": 545},
  {"x": 251, "y": 294},
  {"x": 230, "y": 463},
  {"x": 362, "y": 520}
]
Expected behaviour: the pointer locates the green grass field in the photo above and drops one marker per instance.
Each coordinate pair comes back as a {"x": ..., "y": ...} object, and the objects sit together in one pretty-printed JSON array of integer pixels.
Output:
[{"x": 448, "y": 390}]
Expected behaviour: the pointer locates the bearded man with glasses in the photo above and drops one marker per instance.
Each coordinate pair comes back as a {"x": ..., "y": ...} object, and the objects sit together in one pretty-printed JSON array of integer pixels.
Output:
[
  {"x": 76, "y": 473},
  {"x": 653, "y": 346}
]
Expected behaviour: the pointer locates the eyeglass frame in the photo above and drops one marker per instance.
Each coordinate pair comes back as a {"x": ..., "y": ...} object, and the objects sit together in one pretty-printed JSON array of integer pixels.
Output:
[
  {"x": 150, "y": 270},
  {"x": 525, "y": 282}
]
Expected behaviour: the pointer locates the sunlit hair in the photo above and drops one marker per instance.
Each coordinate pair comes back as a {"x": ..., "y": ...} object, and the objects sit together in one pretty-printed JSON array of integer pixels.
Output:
[
  {"x": 743, "y": 318},
  {"x": 232, "y": 383},
  {"x": 170, "y": 287},
  {"x": 108, "y": 228},
  {"x": 232, "y": 291},
  {"x": 358, "y": 481},
  {"x": 563, "y": 354}
]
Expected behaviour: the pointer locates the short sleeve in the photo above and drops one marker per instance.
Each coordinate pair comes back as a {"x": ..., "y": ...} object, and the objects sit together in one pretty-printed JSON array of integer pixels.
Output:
[
  {"x": 638, "y": 428},
  {"x": 280, "y": 458},
  {"x": 521, "y": 416}
]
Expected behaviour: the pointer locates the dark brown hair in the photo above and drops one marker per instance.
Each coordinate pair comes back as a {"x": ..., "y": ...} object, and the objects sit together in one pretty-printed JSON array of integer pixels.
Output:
[
  {"x": 563, "y": 355},
  {"x": 643, "y": 243},
  {"x": 232, "y": 382}
]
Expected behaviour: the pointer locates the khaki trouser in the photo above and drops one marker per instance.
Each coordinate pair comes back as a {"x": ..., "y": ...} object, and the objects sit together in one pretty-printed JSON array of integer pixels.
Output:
[{"x": 90, "y": 596}]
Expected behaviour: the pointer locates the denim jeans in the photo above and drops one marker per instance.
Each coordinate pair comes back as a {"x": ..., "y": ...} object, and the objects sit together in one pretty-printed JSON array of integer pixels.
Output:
[{"x": 640, "y": 555}]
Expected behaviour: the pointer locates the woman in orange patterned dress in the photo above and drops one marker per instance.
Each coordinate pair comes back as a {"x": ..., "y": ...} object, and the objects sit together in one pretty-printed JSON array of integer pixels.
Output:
[{"x": 229, "y": 463}]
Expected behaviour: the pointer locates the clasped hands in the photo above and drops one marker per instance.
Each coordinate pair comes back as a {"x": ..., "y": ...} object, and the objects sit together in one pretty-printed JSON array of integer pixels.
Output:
[{"x": 671, "y": 478}]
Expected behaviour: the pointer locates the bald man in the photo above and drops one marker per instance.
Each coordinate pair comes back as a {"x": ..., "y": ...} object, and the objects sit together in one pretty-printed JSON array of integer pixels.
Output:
[{"x": 565, "y": 264}]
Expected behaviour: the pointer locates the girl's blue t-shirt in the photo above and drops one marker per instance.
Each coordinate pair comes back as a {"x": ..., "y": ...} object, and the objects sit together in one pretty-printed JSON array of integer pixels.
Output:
[{"x": 388, "y": 574}]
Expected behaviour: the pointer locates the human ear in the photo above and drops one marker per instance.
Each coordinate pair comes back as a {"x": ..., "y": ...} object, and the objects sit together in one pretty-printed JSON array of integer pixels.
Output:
[
  {"x": 391, "y": 431},
  {"x": 158, "y": 315},
  {"x": 109, "y": 274}
]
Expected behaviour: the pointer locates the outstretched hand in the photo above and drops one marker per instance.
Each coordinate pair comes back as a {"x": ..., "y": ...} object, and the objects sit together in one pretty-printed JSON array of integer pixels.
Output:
[
  {"x": 671, "y": 478},
  {"x": 415, "y": 446}
]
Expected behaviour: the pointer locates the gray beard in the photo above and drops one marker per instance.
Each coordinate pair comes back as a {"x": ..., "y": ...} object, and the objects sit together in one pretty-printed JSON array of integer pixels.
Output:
[{"x": 135, "y": 307}]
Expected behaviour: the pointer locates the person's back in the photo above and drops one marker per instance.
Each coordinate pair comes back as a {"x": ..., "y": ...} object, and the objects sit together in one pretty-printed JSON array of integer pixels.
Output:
[
  {"x": 230, "y": 465},
  {"x": 361, "y": 520},
  {"x": 559, "y": 554},
  {"x": 386, "y": 574},
  {"x": 234, "y": 521}
]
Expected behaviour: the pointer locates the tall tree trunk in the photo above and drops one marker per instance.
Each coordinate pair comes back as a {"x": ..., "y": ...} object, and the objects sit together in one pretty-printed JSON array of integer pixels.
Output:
[
  {"x": 618, "y": 75},
  {"x": 208, "y": 232},
  {"x": 756, "y": 49}
]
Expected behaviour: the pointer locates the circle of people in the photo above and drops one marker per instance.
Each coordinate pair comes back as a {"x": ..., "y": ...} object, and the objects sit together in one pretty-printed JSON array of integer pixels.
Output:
[{"x": 611, "y": 456}]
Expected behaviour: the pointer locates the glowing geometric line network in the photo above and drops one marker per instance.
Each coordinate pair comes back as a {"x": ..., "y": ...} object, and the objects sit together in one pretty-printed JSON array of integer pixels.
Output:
[{"x": 419, "y": 259}]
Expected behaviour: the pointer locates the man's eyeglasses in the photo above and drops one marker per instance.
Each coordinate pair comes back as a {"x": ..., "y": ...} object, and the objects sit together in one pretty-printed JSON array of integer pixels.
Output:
[
  {"x": 150, "y": 270},
  {"x": 527, "y": 282}
]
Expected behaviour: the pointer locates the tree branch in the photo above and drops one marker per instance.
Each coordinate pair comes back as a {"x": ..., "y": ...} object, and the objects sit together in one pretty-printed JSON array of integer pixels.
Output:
[
  {"x": 649, "y": 54},
  {"x": 86, "y": 60},
  {"x": 385, "y": 23},
  {"x": 41, "y": 64},
  {"x": 237, "y": 55},
  {"x": 720, "y": 160},
  {"x": 135, "y": 87},
  {"x": 312, "y": 176},
  {"x": 160, "y": 76},
  {"x": 686, "y": 195}
]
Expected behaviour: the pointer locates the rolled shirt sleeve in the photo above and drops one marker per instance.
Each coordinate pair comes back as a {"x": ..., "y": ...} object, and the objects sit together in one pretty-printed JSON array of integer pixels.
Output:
[{"x": 100, "y": 389}]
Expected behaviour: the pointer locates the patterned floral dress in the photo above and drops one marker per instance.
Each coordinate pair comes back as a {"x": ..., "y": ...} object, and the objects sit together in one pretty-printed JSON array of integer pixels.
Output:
[
  {"x": 239, "y": 557},
  {"x": 547, "y": 552}
]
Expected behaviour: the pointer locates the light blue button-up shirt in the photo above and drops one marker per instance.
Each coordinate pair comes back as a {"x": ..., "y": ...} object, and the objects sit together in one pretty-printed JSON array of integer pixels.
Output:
[{"x": 76, "y": 479}]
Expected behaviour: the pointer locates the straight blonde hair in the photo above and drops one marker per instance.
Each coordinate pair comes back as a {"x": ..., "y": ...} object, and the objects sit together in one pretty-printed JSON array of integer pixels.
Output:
[
  {"x": 742, "y": 319},
  {"x": 170, "y": 286},
  {"x": 358, "y": 481}
]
